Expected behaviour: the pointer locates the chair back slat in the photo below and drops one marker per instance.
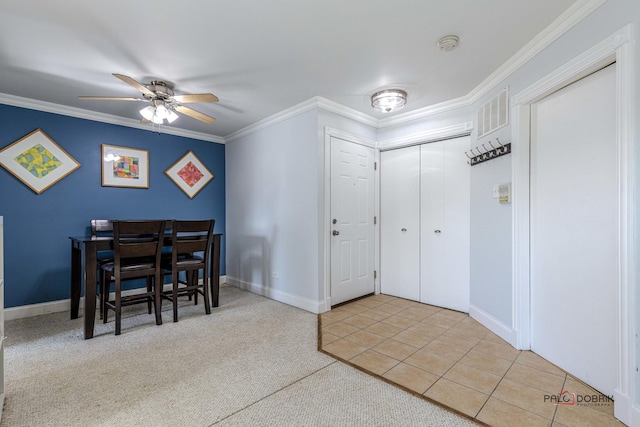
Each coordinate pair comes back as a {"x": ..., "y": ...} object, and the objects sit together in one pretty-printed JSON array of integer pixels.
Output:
[
  {"x": 101, "y": 227},
  {"x": 188, "y": 236},
  {"x": 134, "y": 239}
]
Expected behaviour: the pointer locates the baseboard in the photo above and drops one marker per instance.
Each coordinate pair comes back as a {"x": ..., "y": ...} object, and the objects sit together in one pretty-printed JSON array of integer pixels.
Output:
[
  {"x": 31, "y": 310},
  {"x": 274, "y": 294},
  {"x": 493, "y": 324},
  {"x": 622, "y": 409},
  {"x": 635, "y": 416}
]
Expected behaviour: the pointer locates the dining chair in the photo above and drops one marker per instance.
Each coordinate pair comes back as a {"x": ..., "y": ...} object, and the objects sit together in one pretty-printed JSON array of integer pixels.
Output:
[
  {"x": 102, "y": 227},
  {"x": 137, "y": 248},
  {"x": 191, "y": 242}
]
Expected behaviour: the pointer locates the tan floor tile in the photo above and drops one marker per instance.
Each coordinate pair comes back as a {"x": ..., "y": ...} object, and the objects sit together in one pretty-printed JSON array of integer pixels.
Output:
[
  {"x": 504, "y": 351},
  {"x": 365, "y": 338},
  {"x": 395, "y": 349},
  {"x": 532, "y": 360},
  {"x": 416, "y": 313},
  {"x": 340, "y": 329},
  {"x": 454, "y": 315},
  {"x": 525, "y": 397},
  {"x": 382, "y": 297},
  {"x": 497, "y": 413},
  {"x": 327, "y": 338},
  {"x": 390, "y": 308},
  {"x": 344, "y": 349},
  {"x": 482, "y": 381},
  {"x": 493, "y": 337},
  {"x": 444, "y": 349},
  {"x": 428, "y": 361},
  {"x": 532, "y": 377},
  {"x": 457, "y": 397},
  {"x": 354, "y": 308},
  {"x": 465, "y": 328},
  {"x": 375, "y": 315},
  {"x": 582, "y": 416},
  {"x": 359, "y": 321},
  {"x": 399, "y": 321},
  {"x": 413, "y": 378},
  {"x": 486, "y": 362},
  {"x": 463, "y": 341},
  {"x": 334, "y": 316},
  {"x": 413, "y": 338},
  {"x": 579, "y": 388},
  {"x": 442, "y": 321},
  {"x": 369, "y": 302},
  {"x": 384, "y": 329},
  {"x": 401, "y": 302},
  {"x": 374, "y": 362},
  {"x": 557, "y": 424},
  {"x": 429, "y": 331}
]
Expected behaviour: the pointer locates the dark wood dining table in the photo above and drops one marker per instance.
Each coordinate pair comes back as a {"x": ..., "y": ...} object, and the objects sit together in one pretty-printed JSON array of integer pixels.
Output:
[{"x": 84, "y": 250}]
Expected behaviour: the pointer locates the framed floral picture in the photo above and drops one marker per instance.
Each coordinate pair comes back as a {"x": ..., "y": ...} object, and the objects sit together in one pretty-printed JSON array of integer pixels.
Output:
[
  {"x": 190, "y": 174},
  {"x": 37, "y": 161},
  {"x": 124, "y": 167}
]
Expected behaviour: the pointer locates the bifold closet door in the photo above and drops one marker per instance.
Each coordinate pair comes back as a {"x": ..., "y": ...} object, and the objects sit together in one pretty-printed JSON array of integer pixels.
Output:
[
  {"x": 445, "y": 229},
  {"x": 400, "y": 222}
]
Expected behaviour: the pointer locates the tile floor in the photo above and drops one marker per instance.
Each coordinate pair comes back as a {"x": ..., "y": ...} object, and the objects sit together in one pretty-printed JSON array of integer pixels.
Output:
[{"x": 449, "y": 358}]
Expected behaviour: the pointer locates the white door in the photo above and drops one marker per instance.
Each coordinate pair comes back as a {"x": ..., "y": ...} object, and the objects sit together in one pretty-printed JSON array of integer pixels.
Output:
[
  {"x": 400, "y": 222},
  {"x": 445, "y": 222},
  {"x": 574, "y": 222},
  {"x": 352, "y": 216}
]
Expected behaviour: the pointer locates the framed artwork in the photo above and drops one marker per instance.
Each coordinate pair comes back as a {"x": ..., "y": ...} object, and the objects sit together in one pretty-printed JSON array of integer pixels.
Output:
[
  {"x": 124, "y": 167},
  {"x": 189, "y": 174},
  {"x": 37, "y": 161}
]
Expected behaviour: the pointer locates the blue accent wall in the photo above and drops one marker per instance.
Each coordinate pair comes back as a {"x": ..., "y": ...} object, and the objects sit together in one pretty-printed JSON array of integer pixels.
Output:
[{"x": 37, "y": 248}]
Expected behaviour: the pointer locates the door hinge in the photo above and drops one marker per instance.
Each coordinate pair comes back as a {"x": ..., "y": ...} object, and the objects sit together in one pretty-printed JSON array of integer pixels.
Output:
[
  {"x": 375, "y": 220},
  {"x": 375, "y": 166},
  {"x": 375, "y": 274}
]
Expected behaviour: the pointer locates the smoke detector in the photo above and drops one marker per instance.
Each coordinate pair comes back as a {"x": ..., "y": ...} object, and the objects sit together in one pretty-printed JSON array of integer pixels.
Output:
[{"x": 448, "y": 43}]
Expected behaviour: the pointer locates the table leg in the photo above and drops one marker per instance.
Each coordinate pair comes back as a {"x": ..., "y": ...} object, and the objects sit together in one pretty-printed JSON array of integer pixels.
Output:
[
  {"x": 76, "y": 279},
  {"x": 90, "y": 266},
  {"x": 215, "y": 271}
]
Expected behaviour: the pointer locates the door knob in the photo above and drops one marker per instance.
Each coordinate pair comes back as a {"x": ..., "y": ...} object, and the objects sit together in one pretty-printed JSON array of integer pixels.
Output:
[
  {"x": 404, "y": 229},
  {"x": 335, "y": 232},
  {"x": 437, "y": 231}
]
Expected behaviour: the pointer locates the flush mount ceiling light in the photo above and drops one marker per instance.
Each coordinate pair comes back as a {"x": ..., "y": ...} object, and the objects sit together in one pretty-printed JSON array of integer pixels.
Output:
[{"x": 389, "y": 100}]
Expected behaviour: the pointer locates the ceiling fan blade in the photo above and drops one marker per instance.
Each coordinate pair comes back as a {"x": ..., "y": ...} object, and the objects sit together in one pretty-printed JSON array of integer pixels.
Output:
[
  {"x": 111, "y": 98},
  {"x": 135, "y": 84},
  {"x": 194, "y": 114},
  {"x": 196, "y": 97}
]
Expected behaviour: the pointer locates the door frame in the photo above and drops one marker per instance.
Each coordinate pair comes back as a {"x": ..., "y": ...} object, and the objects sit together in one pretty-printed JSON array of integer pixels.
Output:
[
  {"x": 325, "y": 227},
  {"x": 616, "y": 48}
]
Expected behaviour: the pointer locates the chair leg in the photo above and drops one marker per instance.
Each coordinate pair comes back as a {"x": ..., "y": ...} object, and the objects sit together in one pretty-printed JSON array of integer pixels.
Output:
[
  {"x": 205, "y": 288},
  {"x": 104, "y": 294},
  {"x": 158, "y": 284},
  {"x": 174, "y": 295},
  {"x": 193, "y": 281},
  {"x": 149, "y": 289},
  {"x": 118, "y": 307}
]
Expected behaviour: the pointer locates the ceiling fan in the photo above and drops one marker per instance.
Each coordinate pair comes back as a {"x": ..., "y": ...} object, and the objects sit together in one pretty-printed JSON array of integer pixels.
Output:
[{"x": 164, "y": 103}]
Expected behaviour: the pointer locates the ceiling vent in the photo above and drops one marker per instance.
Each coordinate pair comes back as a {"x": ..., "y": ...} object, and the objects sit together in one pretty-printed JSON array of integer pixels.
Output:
[{"x": 494, "y": 114}]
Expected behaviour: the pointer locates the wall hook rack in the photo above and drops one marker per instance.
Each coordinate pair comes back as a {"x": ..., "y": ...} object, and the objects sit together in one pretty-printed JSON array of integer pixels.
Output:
[{"x": 482, "y": 153}]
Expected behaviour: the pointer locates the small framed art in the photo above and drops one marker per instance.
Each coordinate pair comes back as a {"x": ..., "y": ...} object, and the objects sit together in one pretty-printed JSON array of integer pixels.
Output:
[
  {"x": 37, "y": 161},
  {"x": 124, "y": 167},
  {"x": 190, "y": 174}
]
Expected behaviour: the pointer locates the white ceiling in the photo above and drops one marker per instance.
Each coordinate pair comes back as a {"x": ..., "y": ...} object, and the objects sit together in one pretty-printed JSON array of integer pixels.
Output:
[{"x": 259, "y": 56}]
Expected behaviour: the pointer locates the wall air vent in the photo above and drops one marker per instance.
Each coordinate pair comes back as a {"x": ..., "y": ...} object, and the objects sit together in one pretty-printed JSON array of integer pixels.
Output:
[{"x": 494, "y": 114}]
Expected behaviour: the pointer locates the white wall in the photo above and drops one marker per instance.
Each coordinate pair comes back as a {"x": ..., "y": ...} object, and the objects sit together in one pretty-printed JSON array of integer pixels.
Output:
[{"x": 272, "y": 211}]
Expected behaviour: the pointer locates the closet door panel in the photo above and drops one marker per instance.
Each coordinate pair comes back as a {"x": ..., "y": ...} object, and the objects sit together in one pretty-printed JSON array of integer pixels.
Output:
[
  {"x": 400, "y": 222},
  {"x": 445, "y": 218}
]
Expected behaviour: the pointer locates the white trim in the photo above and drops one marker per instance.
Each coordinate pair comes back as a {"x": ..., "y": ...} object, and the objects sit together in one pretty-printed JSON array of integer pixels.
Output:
[
  {"x": 31, "y": 310},
  {"x": 619, "y": 48},
  {"x": 350, "y": 113},
  {"x": 449, "y": 132},
  {"x": 493, "y": 324},
  {"x": 425, "y": 112},
  {"x": 64, "y": 110},
  {"x": 284, "y": 297},
  {"x": 635, "y": 416},
  {"x": 349, "y": 137}
]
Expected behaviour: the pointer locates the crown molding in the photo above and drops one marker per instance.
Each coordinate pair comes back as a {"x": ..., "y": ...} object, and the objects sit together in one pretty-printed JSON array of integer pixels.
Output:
[
  {"x": 454, "y": 131},
  {"x": 33, "y": 104},
  {"x": 347, "y": 112}
]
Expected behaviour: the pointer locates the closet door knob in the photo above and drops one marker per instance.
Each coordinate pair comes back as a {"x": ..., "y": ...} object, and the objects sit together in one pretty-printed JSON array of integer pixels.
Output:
[
  {"x": 404, "y": 229},
  {"x": 437, "y": 231}
]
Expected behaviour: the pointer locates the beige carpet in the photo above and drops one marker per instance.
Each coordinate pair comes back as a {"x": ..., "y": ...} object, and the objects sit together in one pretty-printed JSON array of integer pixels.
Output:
[{"x": 253, "y": 361}]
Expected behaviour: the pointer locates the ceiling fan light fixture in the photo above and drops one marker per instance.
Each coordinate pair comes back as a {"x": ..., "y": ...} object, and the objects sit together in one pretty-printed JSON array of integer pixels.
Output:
[
  {"x": 389, "y": 100},
  {"x": 172, "y": 116},
  {"x": 162, "y": 112},
  {"x": 148, "y": 112}
]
